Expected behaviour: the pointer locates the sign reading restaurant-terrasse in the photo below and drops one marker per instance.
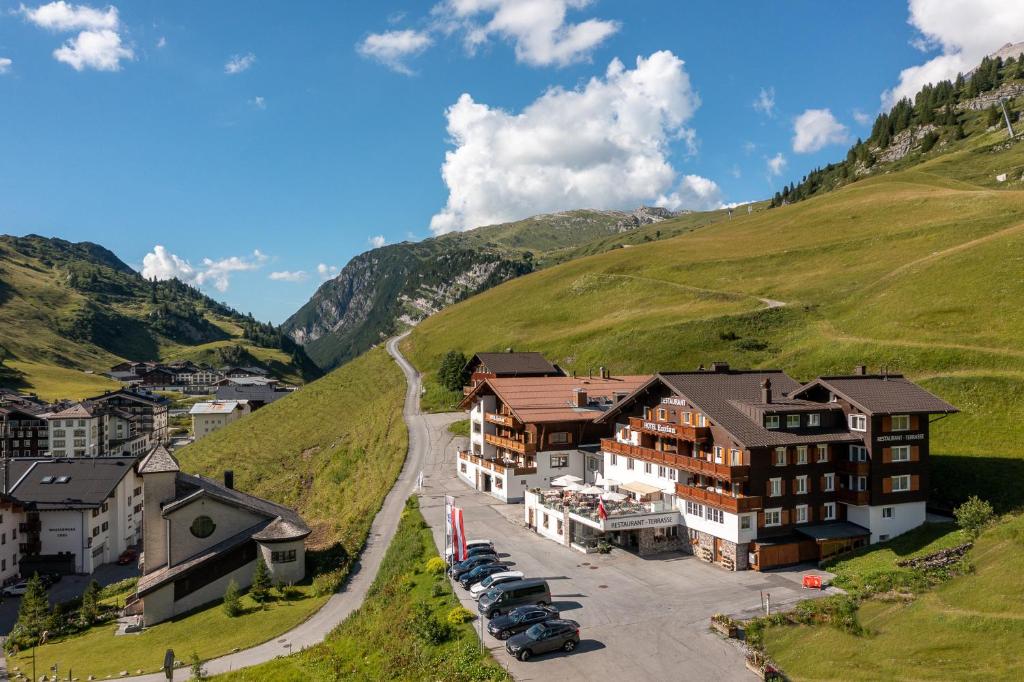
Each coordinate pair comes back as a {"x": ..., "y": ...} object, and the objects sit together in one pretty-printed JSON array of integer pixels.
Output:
[
  {"x": 642, "y": 522},
  {"x": 896, "y": 437}
]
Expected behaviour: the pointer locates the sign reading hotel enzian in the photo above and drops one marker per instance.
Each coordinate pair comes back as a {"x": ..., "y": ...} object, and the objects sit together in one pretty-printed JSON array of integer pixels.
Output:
[
  {"x": 896, "y": 437},
  {"x": 660, "y": 428},
  {"x": 631, "y": 522}
]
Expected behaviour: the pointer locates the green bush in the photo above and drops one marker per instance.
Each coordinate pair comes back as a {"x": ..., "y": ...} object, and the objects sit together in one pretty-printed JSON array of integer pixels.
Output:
[
  {"x": 973, "y": 515},
  {"x": 439, "y": 589},
  {"x": 459, "y": 615},
  {"x": 232, "y": 600},
  {"x": 328, "y": 583},
  {"x": 121, "y": 586},
  {"x": 428, "y": 627},
  {"x": 435, "y": 565}
]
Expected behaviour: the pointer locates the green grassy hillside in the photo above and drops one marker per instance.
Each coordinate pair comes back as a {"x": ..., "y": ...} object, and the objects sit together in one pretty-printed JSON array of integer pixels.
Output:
[
  {"x": 70, "y": 311},
  {"x": 916, "y": 270}
]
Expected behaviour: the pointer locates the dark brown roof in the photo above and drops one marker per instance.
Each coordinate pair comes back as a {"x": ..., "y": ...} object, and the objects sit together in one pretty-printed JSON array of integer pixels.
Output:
[
  {"x": 516, "y": 364},
  {"x": 882, "y": 394},
  {"x": 551, "y": 399}
]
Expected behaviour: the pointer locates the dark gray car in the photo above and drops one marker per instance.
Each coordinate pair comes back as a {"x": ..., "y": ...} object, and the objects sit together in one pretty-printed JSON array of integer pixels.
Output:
[
  {"x": 464, "y": 567},
  {"x": 520, "y": 619},
  {"x": 543, "y": 638}
]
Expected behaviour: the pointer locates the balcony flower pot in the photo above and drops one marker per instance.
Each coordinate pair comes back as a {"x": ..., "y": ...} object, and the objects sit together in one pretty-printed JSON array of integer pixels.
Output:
[{"x": 727, "y": 629}]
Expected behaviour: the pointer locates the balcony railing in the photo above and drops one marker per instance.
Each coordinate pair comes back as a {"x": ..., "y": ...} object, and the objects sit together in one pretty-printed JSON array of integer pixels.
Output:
[
  {"x": 692, "y": 464},
  {"x": 856, "y": 468},
  {"x": 510, "y": 444},
  {"x": 729, "y": 503},
  {"x": 496, "y": 466},
  {"x": 683, "y": 431},
  {"x": 499, "y": 419},
  {"x": 855, "y": 497}
]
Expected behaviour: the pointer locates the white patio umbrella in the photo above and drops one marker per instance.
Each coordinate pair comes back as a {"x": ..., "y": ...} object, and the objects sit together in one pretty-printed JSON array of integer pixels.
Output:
[
  {"x": 610, "y": 482},
  {"x": 565, "y": 480},
  {"x": 573, "y": 487},
  {"x": 612, "y": 496},
  {"x": 591, "y": 490}
]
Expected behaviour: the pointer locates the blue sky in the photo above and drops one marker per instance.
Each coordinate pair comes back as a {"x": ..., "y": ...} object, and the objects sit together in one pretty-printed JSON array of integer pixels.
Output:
[{"x": 258, "y": 141}]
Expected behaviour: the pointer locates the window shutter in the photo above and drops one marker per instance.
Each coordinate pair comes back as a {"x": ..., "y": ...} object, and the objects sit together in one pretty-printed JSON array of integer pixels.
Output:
[
  {"x": 785, "y": 517},
  {"x": 886, "y": 454},
  {"x": 768, "y": 489},
  {"x": 760, "y": 519},
  {"x": 887, "y": 484},
  {"x": 915, "y": 422},
  {"x": 887, "y": 423},
  {"x": 915, "y": 453},
  {"x": 915, "y": 482},
  {"x": 821, "y": 483}
]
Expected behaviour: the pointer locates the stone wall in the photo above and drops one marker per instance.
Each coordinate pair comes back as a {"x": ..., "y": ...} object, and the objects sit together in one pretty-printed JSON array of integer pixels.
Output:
[
  {"x": 734, "y": 557},
  {"x": 648, "y": 545}
]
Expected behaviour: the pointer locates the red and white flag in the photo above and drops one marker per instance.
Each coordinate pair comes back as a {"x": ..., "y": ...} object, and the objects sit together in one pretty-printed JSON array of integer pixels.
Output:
[
  {"x": 459, "y": 535},
  {"x": 601, "y": 511},
  {"x": 449, "y": 504}
]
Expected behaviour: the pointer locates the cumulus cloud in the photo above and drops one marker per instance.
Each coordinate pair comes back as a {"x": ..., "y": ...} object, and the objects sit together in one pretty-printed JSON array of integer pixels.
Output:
[
  {"x": 162, "y": 264},
  {"x": 861, "y": 118},
  {"x": 765, "y": 102},
  {"x": 62, "y": 16},
  {"x": 161, "y": 43},
  {"x": 5, "y": 65},
  {"x": 326, "y": 271},
  {"x": 289, "y": 276},
  {"x": 392, "y": 48},
  {"x": 603, "y": 145},
  {"x": 378, "y": 241},
  {"x": 964, "y": 31},
  {"x": 776, "y": 164},
  {"x": 815, "y": 129},
  {"x": 239, "y": 63},
  {"x": 258, "y": 102},
  {"x": 98, "y": 44},
  {"x": 694, "y": 193}
]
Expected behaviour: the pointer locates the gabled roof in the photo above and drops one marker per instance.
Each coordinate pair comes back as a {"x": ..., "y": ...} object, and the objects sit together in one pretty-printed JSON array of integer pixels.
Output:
[
  {"x": 511, "y": 364},
  {"x": 882, "y": 394},
  {"x": 82, "y": 410},
  {"x": 216, "y": 407},
  {"x": 189, "y": 487},
  {"x": 135, "y": 395},
  {"x": 158, "y": 460},
  {"x": 551, "y": 399}
]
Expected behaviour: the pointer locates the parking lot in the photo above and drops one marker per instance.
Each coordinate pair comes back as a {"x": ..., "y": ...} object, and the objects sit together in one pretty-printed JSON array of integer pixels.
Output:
[{"x": 640, "y": 617}]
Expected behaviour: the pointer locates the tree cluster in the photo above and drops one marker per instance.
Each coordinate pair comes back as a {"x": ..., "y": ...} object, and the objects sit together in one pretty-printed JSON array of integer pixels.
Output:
[{"x": 452, "y": 373}]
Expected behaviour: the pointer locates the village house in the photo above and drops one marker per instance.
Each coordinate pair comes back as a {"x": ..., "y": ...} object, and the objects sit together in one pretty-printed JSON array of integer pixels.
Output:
[
  {"x": 508, "y": 364},
  {"x": 150, "y": 410},
  {"x": 256, "y": 395},
  {"x": 525, "y": 431},
  {"x": 93, "y": 429},
  {"x": 24, "y": 432},
  {"x": 200, "y": 535},
  {"x": 211, "y": 415},
  {"x": 750, "y": 469}
]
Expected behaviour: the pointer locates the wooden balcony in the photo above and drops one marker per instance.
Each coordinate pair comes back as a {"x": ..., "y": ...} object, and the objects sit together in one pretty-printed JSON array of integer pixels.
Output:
[
  {"x": 510, "y": 444},
  {"x": 500, "y": 419},
  {"x": 682, "y": 431},
  {"x": 735, "y": 505},
  {"x": 694, "y": 465},
  {"x": 855, "y": 497},
  {"x": 855, "y": 468},
  {"x": 497, "y": 467}
]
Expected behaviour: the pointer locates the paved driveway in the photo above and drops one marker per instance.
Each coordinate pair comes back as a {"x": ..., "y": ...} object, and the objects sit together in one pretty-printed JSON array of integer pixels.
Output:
[{"x": 640, "y": 618}]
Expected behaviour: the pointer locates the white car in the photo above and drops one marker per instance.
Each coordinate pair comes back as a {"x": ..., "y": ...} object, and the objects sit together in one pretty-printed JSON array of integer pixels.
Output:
[
  {"x": 15, "y": 590},
  {"x": 494, "y": 579},
  {"x": 470, "y": 544}
]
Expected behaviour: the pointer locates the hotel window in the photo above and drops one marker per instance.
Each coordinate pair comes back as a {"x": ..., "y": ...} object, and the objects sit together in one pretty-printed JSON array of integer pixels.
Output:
[
  {"x": 283, "y": 556},
  {"x": 801, "y": 454},
  {"x": 822, "y": 453},
  {"x": 629, "y": 463},
  {"x": 613, "y": 460},
  {"x": 499, "y": 483},
  {"x": 900, "y": 484},
  {"x": 888, "y": 512},
  {"x": 775, "y": 487},
  {"x": 830, "y": 511},
  {"x": 647, "y": 467},
  {"x": 559, "y": 437},
  {"x": 545, "y": 520},
  {"x": 858, "y": 422},
  {"x": 648, "y": 412},
  {"x": 673, "y": 475},
  {"x": 800, "y": 485},
  {"x": 858, "y": 453},
  {"x": 558, "y": 527},
  {"x": 716, "y": 515},
  {"x": 686, "y": 417},
  {"x": 829, "y": 483},
  {"x": 662, "y": 414},
  {"x": 702, "y": 420},
  {"x": 662, "y": 472},
  {"x": 901, "y": 453},
  {"x": 901, "y": 422},
  {"x": 771, "y": 421},
  {"x": 814, "y": 419},
  {"x": 559, "y": 461},
  {"x": 773, "y": 517},
  {"x": 462, "y": 467},
  {"x": 95, "y": 531},
  {"x": 801, "y": 513},
  {"x": 745, "y": 522},
  {"x": 780, "y": 457},
  {"x": 858, "y": 483},
  {"x": 735, "y": 457},
  {"x": 718, "y": 454},
  {"x": 792, "y": 421}
]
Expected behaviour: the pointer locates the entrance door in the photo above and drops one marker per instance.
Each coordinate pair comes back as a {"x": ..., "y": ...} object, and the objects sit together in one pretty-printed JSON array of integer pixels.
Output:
[
  {"x": 487, "y": 483},
  {"x": 718, "y": 550},
  {"x": 531, "y": 522}
]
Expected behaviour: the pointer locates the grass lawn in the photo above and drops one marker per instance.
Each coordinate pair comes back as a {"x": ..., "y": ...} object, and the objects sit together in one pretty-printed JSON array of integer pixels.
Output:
[
  {"x": 437, "y": 398},
  {"x": 380, "y": 641},
  {"x": 969, "y": 628},
  {"x": 459, "y": 428},
  {"x": 51, "y": 382},
  {"x": 209, "y": 633}
]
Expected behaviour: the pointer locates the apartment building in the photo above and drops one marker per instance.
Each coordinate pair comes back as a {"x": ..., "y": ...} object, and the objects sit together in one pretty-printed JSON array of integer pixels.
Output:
[
  {"x": 507, "y": 365},
  {"x": 150, "y": 411},
  {"x": 212, "y": 415},
  {"x": 526, "y": 431},
  {"x": 24, "y": 432}
]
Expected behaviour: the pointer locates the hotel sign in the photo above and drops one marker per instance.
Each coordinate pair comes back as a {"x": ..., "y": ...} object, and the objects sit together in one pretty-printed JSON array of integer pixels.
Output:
[
  {"x": 635, "y": 522},
  {"x": 681, "y": 402},
  {"x": 660, "y": 428},
  {"x": 898, "y": 437}
]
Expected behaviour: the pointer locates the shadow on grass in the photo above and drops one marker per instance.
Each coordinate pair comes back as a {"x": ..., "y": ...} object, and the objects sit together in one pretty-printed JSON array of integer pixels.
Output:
[{"x": 954, "y": 478}]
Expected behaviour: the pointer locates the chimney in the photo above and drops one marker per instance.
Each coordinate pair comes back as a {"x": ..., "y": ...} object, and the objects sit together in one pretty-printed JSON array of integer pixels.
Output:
[
  {"x": 719, "y": 366},
  {"x": 229, "y": 479},
  {"x": 579, "y": 397},
  {"x": 602, "y": 372},
  {"x": 700, "y": 368},
  {"x": 860, "y": 370},
  {"x": 766, "y": 391}
]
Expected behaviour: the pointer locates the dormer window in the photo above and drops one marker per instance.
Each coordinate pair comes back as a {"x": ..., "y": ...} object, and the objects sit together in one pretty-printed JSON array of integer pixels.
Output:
[
  {"x": 771, "y": 421},
  {"x": 662, "y": 414},
  {"x": 814, "y": 419},
  {"x": 901, "y": 422},
  {"x": 858, "y": 422},
  {"x": 792, "y": 421}
]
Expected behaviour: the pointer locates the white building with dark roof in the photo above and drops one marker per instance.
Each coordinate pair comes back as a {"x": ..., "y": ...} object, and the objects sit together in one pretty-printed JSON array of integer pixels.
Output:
[{"x": 212, "y": 415}]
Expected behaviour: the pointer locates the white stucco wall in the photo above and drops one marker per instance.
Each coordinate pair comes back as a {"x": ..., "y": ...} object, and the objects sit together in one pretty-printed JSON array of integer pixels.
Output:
[
  {"x": 228, "y": 520},
  {"x": 905, "y": 517},
  {"x": 291, "y": 571},
  {"x": 9, "y": 555}
]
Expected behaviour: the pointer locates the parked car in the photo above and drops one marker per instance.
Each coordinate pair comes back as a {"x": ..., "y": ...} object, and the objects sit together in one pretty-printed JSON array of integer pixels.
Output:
[
  {"x": 470, "y": 545},
  {"x": 493, "y": 580},
  {"x": 127, "y": 557},
  {"x": 463, "y": 567},
  {"x": 544, "y": 637},
  {"x": 520, "y": 619},
  {"x": 506, "y": 596},
  {"x": 15, "y": 590},
  {"x": 479, "y": 573},
  {"x": 50, "y": 579},
  {"x": 476, "y": 550}
]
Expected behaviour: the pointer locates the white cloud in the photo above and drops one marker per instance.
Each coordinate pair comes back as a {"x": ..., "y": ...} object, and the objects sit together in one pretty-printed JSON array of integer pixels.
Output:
[
  {"x": 736, "y": 172},
  {"x": 161, "y": 43},
  {"x": 694, "y": 193},
  {"x": 326, "y": 271},
  {"x": 776, "y": 164},
  {"x": 861, "y": 118},
  {"x": 765, "y": 102},
  {"x": 100, "y": 50},
  {"x": 964, "y": 30},
  {"x": 289, "y": 276},
  {"x": 603, "y": 145},
  {"x": 537, "y": 28},
  {"x": 239, "y": 63},
  {"x": 815, "y": 129},
  {"x": 258, "y": 102},
  {"x": 162, "y": 264},
  {"x": 749, "y": 147},
  {"x": 393, "y": 47},
  {"x": 62, "y": 16},
  {"x": 5, "y": 65},
  {"x": 378, "y": 241}
]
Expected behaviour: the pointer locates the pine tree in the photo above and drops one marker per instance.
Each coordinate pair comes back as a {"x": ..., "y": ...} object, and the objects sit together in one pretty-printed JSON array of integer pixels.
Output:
[
  {"x": 90, "y": 608},
  {"x": 34, "y": 611},
  {"x": 451, "y": 373},
  {"x": 260, "y": 587},
  {"x": 232, "y": 600}
]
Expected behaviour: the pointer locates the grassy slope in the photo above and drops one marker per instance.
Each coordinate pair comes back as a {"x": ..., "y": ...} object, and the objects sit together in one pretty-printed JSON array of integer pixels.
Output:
[
  {"x": 916, "y": 270},
  {"x": 968, "y": 628},
  {"x": 332, "y": 449},
  {"x": 377, "y": 642}
]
